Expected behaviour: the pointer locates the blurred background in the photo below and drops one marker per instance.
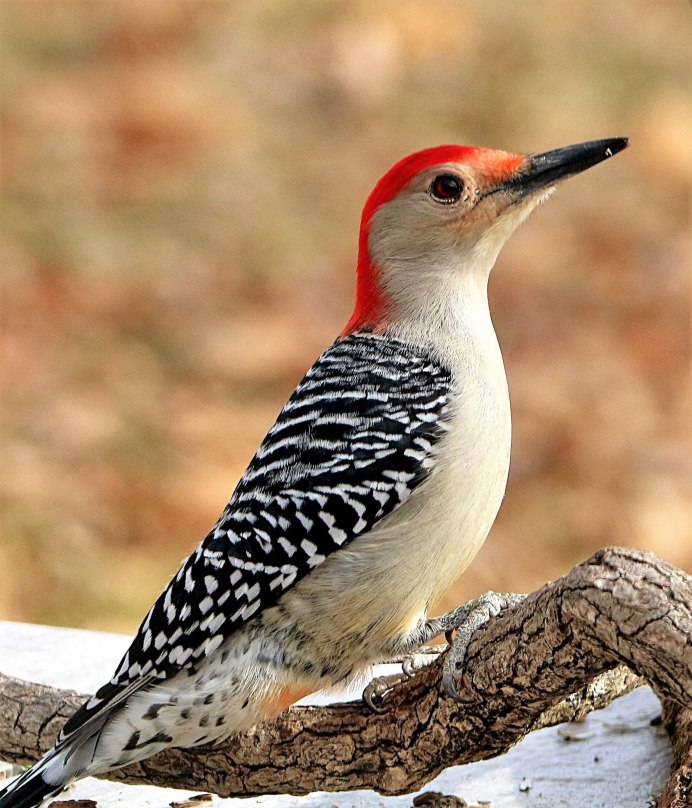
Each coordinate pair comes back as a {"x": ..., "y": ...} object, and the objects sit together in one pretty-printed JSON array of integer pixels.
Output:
[{"x": 181, "y": 191}]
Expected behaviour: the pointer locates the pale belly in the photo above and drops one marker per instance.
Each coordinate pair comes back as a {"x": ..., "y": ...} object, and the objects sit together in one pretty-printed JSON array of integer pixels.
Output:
[
  {"x": 365, "y": 600},
  {"x": 362, "y": 605}
]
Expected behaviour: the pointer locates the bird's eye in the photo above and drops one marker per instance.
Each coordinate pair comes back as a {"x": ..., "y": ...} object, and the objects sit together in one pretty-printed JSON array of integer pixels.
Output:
[{"x": 446, "y": 188}]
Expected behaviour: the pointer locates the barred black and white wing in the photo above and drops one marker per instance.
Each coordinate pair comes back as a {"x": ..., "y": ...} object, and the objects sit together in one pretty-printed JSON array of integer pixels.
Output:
[{"x": 354, "y": 440}]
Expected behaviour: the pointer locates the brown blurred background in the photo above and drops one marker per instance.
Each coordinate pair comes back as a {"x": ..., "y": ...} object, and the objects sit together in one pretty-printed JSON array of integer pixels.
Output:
[{"x": 182, "y": 183}]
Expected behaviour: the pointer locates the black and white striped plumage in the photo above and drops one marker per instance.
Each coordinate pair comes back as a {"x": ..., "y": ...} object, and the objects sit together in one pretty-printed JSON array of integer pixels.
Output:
[{"x": 354, "y": 440}]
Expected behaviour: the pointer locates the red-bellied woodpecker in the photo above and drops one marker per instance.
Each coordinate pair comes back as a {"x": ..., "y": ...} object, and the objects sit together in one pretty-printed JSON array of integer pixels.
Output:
[{"x": 371, "y": 493}]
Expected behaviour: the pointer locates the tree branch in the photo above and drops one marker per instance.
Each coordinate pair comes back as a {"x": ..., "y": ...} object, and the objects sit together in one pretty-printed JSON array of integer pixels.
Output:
[
  {"x": 552, "y": 658},
  {"x": 677, "y": 792}
]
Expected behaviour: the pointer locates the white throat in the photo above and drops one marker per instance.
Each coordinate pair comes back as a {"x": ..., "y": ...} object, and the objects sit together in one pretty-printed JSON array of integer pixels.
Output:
[
  {"x": 452, "y": 320},
  {"x": 437, "y": 289}
]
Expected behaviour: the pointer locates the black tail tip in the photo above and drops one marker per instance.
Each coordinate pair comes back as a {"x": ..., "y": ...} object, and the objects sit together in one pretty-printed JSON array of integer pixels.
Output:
[{"x": 27, "y": 793}]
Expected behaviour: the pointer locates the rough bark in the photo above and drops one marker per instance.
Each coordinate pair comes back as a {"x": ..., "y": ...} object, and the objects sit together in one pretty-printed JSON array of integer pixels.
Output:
[
  {"x": 677, "y": 792},
  {"x": 552, "y": 658}
]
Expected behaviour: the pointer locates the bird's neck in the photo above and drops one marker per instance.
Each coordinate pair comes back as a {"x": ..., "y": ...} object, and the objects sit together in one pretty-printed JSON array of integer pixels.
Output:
[{"x": 449, "y": 316}]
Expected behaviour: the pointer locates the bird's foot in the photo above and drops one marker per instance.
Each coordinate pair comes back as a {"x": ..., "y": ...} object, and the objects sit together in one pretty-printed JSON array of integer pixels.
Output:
[
  {"x": 459, "y": 626},
  {"x": 380, "y": 687},
  {"x": 421, "y": 657}
]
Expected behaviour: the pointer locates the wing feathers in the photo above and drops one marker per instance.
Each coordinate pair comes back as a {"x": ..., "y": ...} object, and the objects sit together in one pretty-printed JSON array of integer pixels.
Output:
[{"x": 354, "y": 440}]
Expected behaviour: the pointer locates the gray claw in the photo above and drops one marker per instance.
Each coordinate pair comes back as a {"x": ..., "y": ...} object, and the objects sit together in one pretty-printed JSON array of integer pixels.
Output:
[
  {"x": 464, "y": 622},
  {"x": 448, "y": 684},
  {"x": 408, "y": 666},
  {"x": 377, "y": 691},
  {"x": 453, "y": 665}
]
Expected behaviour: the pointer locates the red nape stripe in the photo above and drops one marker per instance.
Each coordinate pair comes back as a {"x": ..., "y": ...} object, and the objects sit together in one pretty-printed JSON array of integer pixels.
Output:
[{"x": 370, "y": 309}]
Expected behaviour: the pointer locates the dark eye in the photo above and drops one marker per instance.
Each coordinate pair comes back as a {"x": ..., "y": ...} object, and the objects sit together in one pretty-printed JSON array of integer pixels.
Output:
[{"x": 446, "y": 188}]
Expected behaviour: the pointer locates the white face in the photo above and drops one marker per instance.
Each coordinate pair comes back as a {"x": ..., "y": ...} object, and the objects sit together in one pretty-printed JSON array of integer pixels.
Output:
[{"x": 445, "y": 228}]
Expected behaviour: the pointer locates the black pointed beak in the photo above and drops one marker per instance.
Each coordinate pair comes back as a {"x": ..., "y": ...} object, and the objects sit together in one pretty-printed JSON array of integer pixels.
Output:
[{"x": 542, "y": 170}]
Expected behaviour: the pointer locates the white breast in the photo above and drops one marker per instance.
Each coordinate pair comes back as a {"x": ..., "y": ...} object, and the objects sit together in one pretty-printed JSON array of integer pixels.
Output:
[
  {"x": 457, "y": 505},
  {"x": 379, "y": 587},
  {"x": 433, "y": 536}
]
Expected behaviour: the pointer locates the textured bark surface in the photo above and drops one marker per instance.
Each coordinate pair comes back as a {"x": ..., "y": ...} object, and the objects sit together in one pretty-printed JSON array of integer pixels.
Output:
[
  {"x": 678, "y": 790},
  {"x": 552, "y": 658}
]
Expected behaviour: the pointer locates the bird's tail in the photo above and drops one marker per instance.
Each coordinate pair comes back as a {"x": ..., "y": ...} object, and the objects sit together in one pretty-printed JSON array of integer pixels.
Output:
[
  {"x": 28, "y": 793},
  {"x": 31, "y": 788}
]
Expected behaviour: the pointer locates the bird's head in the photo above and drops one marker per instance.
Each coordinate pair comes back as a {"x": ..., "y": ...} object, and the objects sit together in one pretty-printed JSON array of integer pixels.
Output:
[{"x": 440, "y": 216}]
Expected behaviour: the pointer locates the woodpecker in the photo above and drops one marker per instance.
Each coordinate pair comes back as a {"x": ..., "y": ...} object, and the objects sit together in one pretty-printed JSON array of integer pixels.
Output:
[{"x": 371, "y": 493}]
